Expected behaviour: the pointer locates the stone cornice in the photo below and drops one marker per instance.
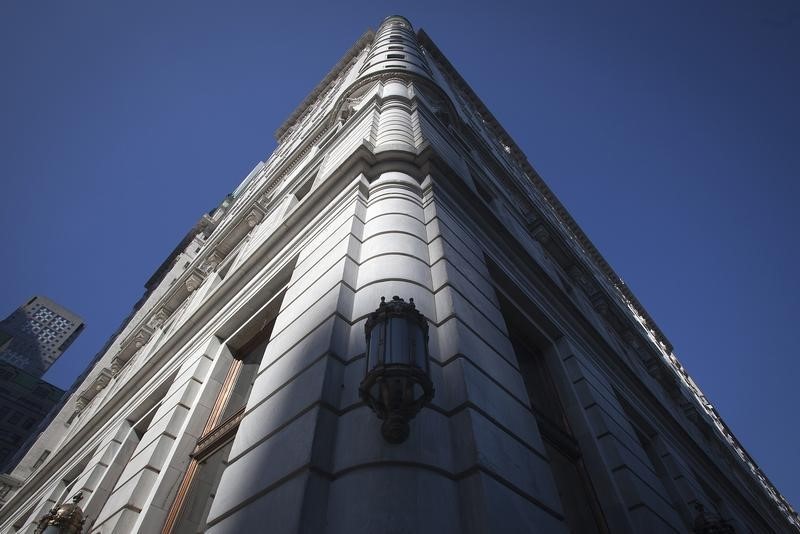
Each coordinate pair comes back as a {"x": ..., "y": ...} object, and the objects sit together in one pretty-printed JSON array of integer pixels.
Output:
[
  {"x": 363, "y": 41},
  {"x": 546, "y": 192}
]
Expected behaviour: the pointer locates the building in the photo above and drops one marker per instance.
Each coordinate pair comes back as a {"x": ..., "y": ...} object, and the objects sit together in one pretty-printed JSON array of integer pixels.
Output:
[
  {"x": 36, "y": 334},
  {"x": 237, "y": 398},
  {"x": 25, "y": 401},
  {"x": 31, "y": 338}
]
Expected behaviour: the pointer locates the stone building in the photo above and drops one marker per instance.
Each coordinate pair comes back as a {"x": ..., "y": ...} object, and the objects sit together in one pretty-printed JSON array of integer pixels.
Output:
[{"x": 231, "y": 399}]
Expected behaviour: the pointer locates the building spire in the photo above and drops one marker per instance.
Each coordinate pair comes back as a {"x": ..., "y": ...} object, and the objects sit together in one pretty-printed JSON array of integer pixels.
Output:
[{"x": 395, "y": 49}]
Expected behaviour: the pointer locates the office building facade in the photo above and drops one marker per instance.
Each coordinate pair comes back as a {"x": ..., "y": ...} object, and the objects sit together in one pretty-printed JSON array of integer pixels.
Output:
[
  {"x": 262, "y": 385},
  {"x": 36, "y": 334}
]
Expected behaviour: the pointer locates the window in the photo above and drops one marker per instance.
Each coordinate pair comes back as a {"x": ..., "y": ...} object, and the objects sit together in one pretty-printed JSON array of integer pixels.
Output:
[
  {"x": 582, "y": 511},
  {"x": 189, "y": 512},
  {"x": 303, "y": 190},
  {"x": 41, "y": 459},
  {"x": 650, "y": 441}
]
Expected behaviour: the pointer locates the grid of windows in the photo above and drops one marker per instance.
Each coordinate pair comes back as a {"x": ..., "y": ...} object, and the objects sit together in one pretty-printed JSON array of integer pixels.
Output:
[{"x": 40, "y": 331}]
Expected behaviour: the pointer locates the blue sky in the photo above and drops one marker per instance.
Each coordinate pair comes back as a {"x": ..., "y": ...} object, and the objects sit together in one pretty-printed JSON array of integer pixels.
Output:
[{"x": 668, "y": 129}]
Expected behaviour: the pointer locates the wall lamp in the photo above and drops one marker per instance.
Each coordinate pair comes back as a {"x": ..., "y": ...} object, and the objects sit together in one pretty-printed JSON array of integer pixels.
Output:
[{"x": 397, "y": 383}]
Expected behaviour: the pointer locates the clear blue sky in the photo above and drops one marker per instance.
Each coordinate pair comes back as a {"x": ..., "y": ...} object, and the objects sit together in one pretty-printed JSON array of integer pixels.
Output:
[{"x": 668, "y": 129}]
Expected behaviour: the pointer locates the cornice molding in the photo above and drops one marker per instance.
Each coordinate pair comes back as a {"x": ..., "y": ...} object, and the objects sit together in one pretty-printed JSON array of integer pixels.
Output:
[{"x": 362, "y": 42}]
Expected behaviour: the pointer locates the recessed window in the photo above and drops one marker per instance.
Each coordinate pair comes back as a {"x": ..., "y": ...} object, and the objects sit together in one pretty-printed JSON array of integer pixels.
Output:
[
  {"x": 396, "y": 56},
  {"x": 303, "y": 190}
]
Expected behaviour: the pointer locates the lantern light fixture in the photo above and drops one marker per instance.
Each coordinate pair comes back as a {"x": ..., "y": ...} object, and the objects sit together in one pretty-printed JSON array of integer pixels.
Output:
[{"x": 397, "y": 382}]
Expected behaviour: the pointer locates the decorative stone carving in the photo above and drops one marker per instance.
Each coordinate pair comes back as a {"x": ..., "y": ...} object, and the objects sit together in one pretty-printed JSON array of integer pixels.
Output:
[
  {"x": 254, "y": 217},
  {"x": 158, "y": 319},
  {"x": 541, "y": 234},
  {"x": 211, "y": 262},
  {"x": 263, "y": 199},
  {"x": 631, "y": 339},
  {"x": 97, "y": 385},
  {"x": 116, "y": 365},
  {"x": 102, "y": 380},
  {"x": 142, "y": 337},
  {"x": 600, "y": 305},
  {"x": 690, "y": 411},
  {"x": 193, "y": 282}
]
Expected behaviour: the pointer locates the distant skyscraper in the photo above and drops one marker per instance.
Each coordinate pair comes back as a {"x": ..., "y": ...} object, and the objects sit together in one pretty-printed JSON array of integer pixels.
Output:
[
  {"x": 262, "y": 384},
  {"x": 36, "y": 334},
  {"x": 25, "y": 400}
]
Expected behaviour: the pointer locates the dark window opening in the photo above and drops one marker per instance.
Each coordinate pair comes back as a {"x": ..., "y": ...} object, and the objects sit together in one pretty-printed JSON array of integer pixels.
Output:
[
  {"x": 303, "y": 190},
  {"x": 581, "y": 508},
  {"x": 198, "y": 489},
  {"x": 483, "y": 191}
]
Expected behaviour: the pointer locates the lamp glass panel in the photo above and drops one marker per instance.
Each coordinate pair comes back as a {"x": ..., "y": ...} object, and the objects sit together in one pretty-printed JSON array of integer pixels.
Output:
[
  {"x": 377, "y": 341},
  {"x": 398, "y": 341},
  {"x": 419, "y": 348}
]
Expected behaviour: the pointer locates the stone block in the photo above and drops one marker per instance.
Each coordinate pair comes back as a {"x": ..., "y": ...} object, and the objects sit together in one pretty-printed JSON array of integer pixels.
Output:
[
  {"x": 132, "y": 493},
  {"x": 322, "y": 289},
  {"x": 489, "y": 506},
  {"x": 359, "y": 441},
  {"x": 396, "y": 224},
  {"x": 273, "y": 459},
  {"x": 489, "y": 398},
  {"x": 151, "y": 456},
  {"x": 316, "y": 327},
  {"x": 292, "y": 358},
  {"x": 523, "y": 467},
  {"x": 169, "y": 423},
  {"x": 410, "y": 500},
  {"x": 453, "y": 338},
  {"x": 381, "y": 244},
  {"x": 276, "y": 511},
  {"x": 327, "y": 271},
  {"x": 274, "y": 402},
  {"x": 394, "y": 266},
  {"x": 487, "y": 324},
  {"x": 292, "y": 328}
]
